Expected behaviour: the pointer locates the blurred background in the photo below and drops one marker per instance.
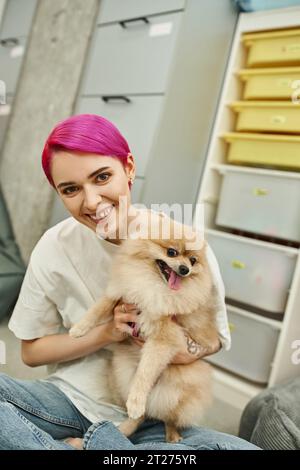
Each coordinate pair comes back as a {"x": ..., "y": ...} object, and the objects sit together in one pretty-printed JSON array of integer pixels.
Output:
[{"x": 185, "y": 82}]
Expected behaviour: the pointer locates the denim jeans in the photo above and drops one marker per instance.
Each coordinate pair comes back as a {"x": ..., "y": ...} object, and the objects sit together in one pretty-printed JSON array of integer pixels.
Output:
[{"x": 35, "y": 414}]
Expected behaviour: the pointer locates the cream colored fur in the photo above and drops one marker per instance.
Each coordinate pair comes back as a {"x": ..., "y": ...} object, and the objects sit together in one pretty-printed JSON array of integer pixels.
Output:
[{"x": 143, "y": 378}]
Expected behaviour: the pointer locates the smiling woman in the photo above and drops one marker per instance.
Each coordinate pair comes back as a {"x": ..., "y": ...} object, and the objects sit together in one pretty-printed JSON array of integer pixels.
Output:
[{"x": 88, "y": 162}]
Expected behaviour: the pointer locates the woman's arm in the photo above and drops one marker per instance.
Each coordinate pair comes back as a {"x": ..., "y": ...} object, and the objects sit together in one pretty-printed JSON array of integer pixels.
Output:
[{"x": 62, "y": 347}]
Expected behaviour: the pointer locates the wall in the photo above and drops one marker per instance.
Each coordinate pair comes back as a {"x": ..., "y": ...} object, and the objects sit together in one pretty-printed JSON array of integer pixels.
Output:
[{"x": 46, "y": 93}]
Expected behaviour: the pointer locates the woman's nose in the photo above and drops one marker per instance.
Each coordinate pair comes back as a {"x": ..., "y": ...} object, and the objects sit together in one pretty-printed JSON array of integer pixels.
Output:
[{"x": 92, "y": 199}]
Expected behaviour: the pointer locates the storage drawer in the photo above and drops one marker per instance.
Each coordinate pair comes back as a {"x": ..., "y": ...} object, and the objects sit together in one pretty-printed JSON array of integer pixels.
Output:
[
  {"x": 254, "y": 342},
  {"x": 17, "y": 19},
  {"x": 135, "y": 116},
  {"x": 281, "y": 151},
  {"x": 271, "y": 116},
  {"x": 269, "y": 83},
  {"x": 5, "y": 111},
  {"x": 11, "y": 57},
  {"x": 118, "y": 10},
  {"x": 281, "y": 47},
  {"x": 268, "y": 205},
  {"x": 134, "y": 59},
  {"x": 255, "y": 273}
]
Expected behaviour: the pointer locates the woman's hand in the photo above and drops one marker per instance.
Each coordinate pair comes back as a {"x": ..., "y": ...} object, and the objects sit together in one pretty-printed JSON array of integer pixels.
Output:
[
  {"x": 193, "y": 351},
  {"x": 123, "y": 314}
]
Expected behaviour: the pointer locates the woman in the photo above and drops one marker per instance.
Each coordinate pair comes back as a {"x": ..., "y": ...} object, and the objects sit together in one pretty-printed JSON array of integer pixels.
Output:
[{"x": 89, "y": 164}]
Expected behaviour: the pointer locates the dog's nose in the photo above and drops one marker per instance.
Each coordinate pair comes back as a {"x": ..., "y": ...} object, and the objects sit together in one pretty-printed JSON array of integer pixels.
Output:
[{"x": 183, "y": 270}]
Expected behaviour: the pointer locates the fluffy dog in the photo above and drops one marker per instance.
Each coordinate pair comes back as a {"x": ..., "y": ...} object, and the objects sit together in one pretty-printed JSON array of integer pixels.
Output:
[{"x": 163, "y": 278}]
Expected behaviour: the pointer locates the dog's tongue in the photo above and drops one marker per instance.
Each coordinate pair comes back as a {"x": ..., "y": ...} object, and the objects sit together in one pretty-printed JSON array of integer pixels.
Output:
[{"x": 174, "y": 281}]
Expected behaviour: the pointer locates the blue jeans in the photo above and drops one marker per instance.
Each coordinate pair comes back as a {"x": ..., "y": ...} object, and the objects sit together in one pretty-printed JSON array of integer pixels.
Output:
[{"x": 35, "y": 414}]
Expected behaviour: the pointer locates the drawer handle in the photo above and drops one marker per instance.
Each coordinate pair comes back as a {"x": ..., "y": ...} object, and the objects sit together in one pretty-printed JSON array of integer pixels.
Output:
[
  {"x": 9, "y": 42},
  {"x": 238, "y": 264},
  {"x": 124, "y": 23},
  {"x": 107, "y": 98},
  {"x": 260, "y": 192}
]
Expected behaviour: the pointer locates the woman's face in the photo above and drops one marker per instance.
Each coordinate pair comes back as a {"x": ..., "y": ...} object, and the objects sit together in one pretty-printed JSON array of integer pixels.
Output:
[{"x": 90, "y": 184}]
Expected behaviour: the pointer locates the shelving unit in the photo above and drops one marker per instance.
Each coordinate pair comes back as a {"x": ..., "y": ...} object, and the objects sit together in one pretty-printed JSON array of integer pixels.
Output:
[{"x": 229, "y": 384}]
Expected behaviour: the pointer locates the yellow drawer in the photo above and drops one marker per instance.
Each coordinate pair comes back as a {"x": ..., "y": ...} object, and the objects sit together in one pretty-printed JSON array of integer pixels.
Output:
[
  {"x": 281, "y": 47},
  {"x": 267, "y": 116},
  {"x": 277, "y": 83},
  {"x": 264, "y": 149}
]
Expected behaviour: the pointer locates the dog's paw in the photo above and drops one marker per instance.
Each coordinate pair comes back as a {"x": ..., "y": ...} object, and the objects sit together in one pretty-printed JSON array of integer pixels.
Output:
[
  {"x": 80, "y": 329},
  {"x": 136, "y": 406}
]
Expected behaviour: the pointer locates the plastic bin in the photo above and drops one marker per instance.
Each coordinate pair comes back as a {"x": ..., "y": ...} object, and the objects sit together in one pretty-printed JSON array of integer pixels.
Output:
[
  {"x": 272, "y": 83},
  {"x": 254, "y": 341},
  {"x": 270, "y": 116},
  {"x": 255, "y": 273},
  {"x": 282, "y": 151},
  {"x": 281, "y": 47},
  {"x": 262, "y": 204}
]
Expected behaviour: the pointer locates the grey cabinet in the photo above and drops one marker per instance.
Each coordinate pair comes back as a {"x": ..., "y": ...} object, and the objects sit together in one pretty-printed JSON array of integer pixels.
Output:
[
  {"x": 118, "y": 10},
  {"x": 135, "y": 116},
  {"x": 17, "y": 18},
  {"x": 11, "y": 57},
  {"x": 134, "y": 59}
]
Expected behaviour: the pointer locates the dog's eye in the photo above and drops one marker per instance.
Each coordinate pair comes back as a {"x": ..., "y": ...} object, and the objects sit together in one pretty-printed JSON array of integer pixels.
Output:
[
  {"x": 172, "y": 252},
  {"x": 193, "y": 260}
]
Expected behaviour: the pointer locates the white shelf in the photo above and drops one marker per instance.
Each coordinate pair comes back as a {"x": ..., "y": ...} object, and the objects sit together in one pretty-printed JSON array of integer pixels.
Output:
[
  {"x": 223, "y": 168},
  {"x": 228, "y": 386}
]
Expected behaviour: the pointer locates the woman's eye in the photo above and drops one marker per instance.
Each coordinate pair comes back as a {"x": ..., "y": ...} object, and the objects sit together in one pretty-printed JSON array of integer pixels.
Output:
[
  {"x": 172, "y": 252},
  {"x": 69, "y": 190},
  {"x": 193, "y": 260},
  {"x": 102, "y": 174}
]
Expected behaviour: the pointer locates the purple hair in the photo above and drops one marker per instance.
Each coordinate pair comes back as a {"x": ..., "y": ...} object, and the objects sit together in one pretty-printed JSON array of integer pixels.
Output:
[{"x": 87, "y": 133}]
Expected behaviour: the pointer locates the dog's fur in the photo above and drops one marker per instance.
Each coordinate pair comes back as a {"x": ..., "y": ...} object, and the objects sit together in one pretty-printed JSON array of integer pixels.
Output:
[{"x": 143, "y": 378}]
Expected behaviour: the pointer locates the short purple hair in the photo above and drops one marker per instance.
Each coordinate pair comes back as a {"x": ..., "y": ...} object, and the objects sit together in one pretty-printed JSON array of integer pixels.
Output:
[{"x": 87, "y": 133}]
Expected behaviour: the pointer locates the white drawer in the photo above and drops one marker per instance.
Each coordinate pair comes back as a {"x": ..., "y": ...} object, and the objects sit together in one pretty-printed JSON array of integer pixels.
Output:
[
  {"x": 18, "y": 15},
  {"x": 245, "y": 359},
  {"x": 118, "y": 10},
  {"x": 11, "y": 57},
  {"x": 255, "y": 273},
  {"x": 5, "y": 111},
  {"x": 134, "y": 59},
  {"x": 267, "y": 205},
  {"x": 135, "y": 116}
]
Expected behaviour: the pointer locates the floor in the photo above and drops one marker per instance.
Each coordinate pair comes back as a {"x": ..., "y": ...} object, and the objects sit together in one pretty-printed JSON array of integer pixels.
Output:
[{"x": 221, "y": 417}]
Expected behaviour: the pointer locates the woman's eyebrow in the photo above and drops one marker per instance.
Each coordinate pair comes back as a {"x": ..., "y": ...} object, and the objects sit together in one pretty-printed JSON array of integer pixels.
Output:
[{"x": 90, "y": 176}]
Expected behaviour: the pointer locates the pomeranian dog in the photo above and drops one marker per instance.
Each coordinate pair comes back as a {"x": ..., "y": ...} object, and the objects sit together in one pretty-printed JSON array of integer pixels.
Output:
[{"x": 163, "y": 277}]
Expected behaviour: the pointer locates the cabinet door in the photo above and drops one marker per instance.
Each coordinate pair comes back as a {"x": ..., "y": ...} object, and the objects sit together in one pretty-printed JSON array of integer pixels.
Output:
[
  {"x": 17, "y": 18},
  {"x": 131, "y": 59},
  {"x": 117, "y": 10},
  {"x": 11, "y": 56},
  {"x": 135, "y": 116}
]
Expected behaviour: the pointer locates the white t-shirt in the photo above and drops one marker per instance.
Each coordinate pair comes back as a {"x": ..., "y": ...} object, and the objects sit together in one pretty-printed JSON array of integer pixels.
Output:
[{"x": 67, "y": 273}]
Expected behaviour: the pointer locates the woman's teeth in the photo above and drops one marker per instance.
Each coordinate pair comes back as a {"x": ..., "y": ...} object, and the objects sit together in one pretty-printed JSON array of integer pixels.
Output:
[{"x": 102, "y": 215}]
